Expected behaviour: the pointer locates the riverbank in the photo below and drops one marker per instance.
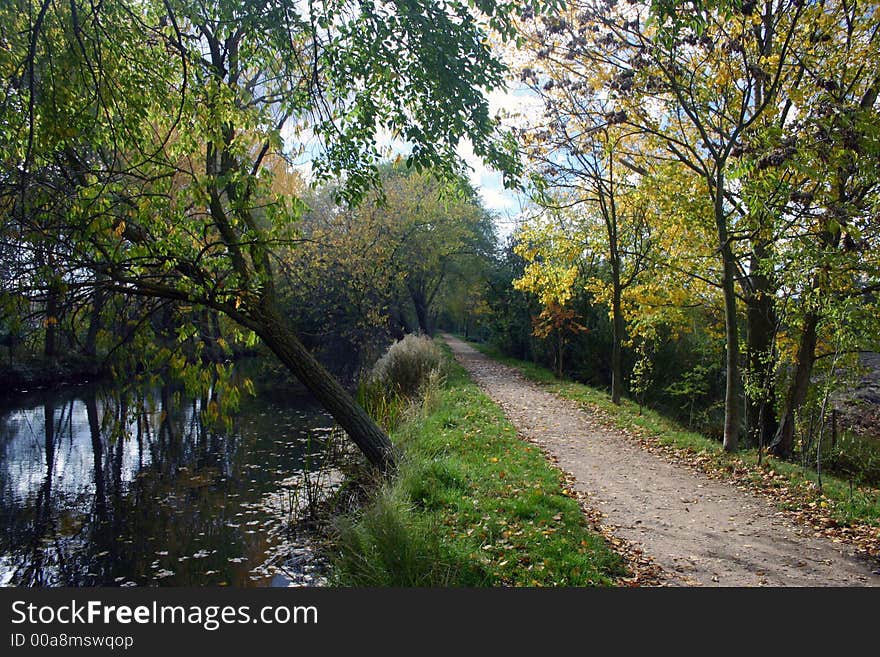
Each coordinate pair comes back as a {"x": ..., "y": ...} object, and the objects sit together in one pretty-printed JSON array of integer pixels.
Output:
[
  {"x": 21, "y": 377},
  {"x": 471, "y": 505}
]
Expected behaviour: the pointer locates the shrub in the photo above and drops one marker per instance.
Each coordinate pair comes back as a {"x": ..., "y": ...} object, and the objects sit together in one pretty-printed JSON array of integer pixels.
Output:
[
  {"x": 411, "y": 368},
  {"x": 407, "y": 366}
]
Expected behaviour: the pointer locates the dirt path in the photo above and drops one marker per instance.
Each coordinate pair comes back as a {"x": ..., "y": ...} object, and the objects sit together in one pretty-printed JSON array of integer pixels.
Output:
[{"x": 701, "y": 532}]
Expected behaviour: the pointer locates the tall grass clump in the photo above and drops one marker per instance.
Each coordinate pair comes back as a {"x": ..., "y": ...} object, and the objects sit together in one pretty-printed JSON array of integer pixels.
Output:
[
  {"x": 408, "y": 365},
  {"x": 390, "y": 545},
  {"x": 411, "y": 370}
]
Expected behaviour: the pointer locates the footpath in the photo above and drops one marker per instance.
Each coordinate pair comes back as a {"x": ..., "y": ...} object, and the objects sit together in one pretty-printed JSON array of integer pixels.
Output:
[{"x": 699, "y": 531}]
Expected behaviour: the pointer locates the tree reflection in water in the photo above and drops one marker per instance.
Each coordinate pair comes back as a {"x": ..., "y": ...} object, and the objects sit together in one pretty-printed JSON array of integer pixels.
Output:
[{"x": 101, "y": 488}]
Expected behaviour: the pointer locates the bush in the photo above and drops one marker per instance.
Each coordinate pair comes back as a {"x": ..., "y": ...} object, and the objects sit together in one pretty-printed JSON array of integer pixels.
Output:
[
  {"x": 411, "y": 368},
  {"x": 408, "y": 366}
]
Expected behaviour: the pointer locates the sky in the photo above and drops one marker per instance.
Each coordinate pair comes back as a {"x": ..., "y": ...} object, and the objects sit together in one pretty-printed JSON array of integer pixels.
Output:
[
  {"x": 506, "y": 205},
  {"x": 513, "y": 104}
]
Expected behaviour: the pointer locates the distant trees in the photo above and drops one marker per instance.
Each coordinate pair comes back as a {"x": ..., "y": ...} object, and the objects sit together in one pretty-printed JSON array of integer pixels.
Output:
[{"x": 387, "y": 266}]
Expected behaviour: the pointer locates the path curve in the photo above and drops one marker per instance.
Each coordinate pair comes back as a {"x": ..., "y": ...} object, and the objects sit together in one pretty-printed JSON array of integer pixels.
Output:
[{"x": 700, "y": 531}]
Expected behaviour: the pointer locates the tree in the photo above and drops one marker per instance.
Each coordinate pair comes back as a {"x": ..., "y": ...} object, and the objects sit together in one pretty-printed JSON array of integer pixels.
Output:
[
  {"x": 438, "y": 229},
  {"x": 554, "y": 261},
  {"x": 747, "y": 135},
  {"x": 585, "y": 161},
  {"x": 678, "y": 83},
  {"x": 160, "y": 118},
  {"x": 829, "y": 181},
  {"x": 389, "y": 265}
]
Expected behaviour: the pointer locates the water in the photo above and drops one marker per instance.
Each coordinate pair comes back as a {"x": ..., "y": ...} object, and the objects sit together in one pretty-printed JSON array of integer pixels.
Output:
[{"x": 98, "y": 488}]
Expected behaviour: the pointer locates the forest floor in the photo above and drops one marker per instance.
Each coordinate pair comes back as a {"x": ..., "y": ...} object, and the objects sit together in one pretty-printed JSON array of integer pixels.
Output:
[{"x": 699, "y": 531}]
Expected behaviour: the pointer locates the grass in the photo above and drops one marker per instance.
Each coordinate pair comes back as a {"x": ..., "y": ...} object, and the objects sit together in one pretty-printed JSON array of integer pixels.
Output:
[
  {"x": 796, "y": 488},
  {"x": 471, "y": 505}
]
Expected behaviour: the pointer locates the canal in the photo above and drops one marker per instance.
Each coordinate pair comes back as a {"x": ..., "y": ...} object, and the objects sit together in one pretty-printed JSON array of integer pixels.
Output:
[{"x": 104, "y": 488}]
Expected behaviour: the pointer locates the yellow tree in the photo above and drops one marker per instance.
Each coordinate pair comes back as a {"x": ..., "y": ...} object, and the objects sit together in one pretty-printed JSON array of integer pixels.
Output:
[
  {"x": 554, "y": 255},
  {"x": 695, "y": 83}
]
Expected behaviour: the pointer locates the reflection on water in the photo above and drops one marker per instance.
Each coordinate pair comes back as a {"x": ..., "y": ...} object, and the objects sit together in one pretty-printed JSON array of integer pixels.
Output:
[{"x": 103, "y": 489}]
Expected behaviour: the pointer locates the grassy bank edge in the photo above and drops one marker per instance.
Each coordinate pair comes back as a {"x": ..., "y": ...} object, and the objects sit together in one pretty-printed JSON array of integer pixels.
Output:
[
  {"x": 841, "y": 511},
  {"x": 470, "y": 505}
]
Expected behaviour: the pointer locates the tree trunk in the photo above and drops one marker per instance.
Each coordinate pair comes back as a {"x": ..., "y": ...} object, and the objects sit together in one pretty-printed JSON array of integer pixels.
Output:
[
  {"x": 216, "y": 333},
  {"x": 806, "y": 354},
  {"x": 91, "y": 345},
  {"x": 211, "y": 351},
  {"x": 800, "y": 384},
  {"x": 49, "y": 344},
  {"x": 617, "y": 339},
  {"x": 731, "y": 329},
  {"x": 761, "y": 321},
  {"x": 560, "y": 348},
  {"x": 420, "y": 304},
  {"x": 366, "y": 434}
]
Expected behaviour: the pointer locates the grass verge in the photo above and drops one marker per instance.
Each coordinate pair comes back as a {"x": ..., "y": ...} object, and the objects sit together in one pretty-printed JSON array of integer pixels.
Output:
[
  {"x": 840, "y": 510},
  {"x": 470, "y": 505}
]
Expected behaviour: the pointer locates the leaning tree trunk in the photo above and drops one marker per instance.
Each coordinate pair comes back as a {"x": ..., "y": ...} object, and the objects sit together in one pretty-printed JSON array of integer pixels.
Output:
[{"x": 366, "y": 434}]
